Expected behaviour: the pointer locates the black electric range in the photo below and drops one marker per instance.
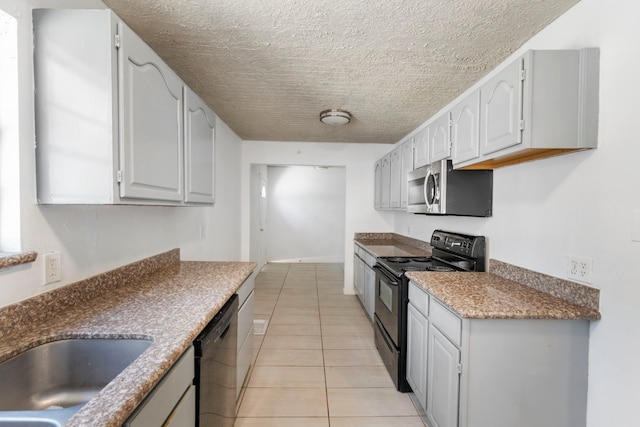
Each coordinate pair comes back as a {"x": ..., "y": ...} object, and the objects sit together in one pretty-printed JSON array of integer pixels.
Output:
[{"x": 450, "y": 252}]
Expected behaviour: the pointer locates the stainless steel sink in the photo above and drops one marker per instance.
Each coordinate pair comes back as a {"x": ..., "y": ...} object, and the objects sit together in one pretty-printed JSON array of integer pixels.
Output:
[{"x": 46, "y": 385}]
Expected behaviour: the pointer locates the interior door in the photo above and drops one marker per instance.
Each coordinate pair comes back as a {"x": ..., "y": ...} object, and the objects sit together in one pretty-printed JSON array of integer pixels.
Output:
[{"x": 150, "y": 109}]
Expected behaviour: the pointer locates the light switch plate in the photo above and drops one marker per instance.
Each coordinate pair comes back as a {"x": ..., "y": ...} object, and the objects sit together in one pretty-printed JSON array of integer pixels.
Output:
[{"x": 635, "y": 226}]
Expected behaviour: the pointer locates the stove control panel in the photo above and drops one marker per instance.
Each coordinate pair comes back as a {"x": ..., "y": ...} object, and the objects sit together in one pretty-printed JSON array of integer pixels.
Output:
[{"x": 471, "y": 246}]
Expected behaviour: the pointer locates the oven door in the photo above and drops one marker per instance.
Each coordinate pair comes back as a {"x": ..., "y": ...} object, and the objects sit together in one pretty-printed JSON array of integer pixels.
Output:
[{"x": 387, "y": 306}]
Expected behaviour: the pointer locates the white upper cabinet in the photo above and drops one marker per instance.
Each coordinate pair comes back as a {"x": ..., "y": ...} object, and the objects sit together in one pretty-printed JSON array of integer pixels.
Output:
[
  {"x": 385, "y": 182},
  {"x": 377, "y": 196},
  {"x": 421, "y": 151},
  {"x": 440, "y": 138},
  {"x": 150, "y": 123},
  {"x": 110, "y": 117},
  {"x": 542, "y": 104},
  {"x": 406, "y": 159},
  {"x": 501, "y": 100},
  {"x": 391, "y": 190},
  {"x": 199, "y": 143},
  {"x": 395, "y": 162},
  {"x": 465, "y": 129}
]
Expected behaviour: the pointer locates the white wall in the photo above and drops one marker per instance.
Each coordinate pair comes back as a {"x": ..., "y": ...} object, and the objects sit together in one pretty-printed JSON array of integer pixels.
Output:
[
  {"x": 358, "y": 160},
  {"x": 94, "y": 239},
  {"x": 307, "y": 205},
  {"x": 581, "y": 204}
]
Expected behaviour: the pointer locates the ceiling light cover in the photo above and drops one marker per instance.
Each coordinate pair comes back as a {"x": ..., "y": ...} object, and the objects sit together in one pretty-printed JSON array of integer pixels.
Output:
[{"x": 335, "y": 117}]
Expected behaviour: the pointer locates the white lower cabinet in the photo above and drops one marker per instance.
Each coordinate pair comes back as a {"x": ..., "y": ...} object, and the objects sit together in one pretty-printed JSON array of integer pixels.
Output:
[
  {"x": 443, "y": 389},
  {"x": 495, "y": 372},
  {"x": 172, "y": 402},
  {"x": 245, "y": 332},
  {"x": 369, "y": 285},
  {"x": 417, "y": 346},
  {"x": 358, "y": 277},
  {"x": 364, "y": 279}
]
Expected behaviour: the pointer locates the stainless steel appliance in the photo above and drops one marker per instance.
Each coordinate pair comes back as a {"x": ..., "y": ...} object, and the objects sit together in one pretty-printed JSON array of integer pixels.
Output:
[
  {"x": 441, "y": 190},
  {"x": 451, "y": 252},
  {"x": 215, "y": 368}
]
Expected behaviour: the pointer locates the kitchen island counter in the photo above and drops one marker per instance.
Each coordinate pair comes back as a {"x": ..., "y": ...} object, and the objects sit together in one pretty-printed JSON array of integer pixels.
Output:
[
  {"x": 160, "y": 298},
  {"x": 490, "y": 296}
]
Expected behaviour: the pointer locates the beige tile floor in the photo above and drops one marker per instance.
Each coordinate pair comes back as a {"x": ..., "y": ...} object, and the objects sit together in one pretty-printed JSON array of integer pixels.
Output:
[{"x": 317, "y": 364}]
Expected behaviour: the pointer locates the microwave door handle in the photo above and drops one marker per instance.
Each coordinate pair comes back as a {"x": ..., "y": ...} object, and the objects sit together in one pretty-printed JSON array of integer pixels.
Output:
[{"x": 393, "y": 281}]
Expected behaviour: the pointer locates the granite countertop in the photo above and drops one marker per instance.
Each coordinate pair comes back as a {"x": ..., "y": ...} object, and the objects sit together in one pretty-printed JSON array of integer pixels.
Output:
[
  {"x": 391, "y": 244},
  {"x": 489, "y": 296},
  {"x": 170, "y": 306}
]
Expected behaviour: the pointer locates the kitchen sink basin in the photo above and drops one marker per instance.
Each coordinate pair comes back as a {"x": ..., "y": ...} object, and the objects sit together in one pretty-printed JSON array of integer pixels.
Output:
[{"x": 44, "y": 386}]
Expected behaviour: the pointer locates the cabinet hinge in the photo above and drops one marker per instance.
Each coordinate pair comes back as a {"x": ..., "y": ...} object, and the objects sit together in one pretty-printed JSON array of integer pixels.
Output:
[
  {"x": 522, "y": 124},
  {"x": 119, "y": 176},
  {"x": 117, "y": 41},
  {"x": 523, "y": 74},
  {"x": 459, "y": 368}
]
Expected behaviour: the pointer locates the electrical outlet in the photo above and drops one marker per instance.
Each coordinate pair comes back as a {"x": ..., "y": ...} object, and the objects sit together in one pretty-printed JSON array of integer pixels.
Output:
[
  {"x": 52, "y": 268},
  {"x": 579, "y": 268}
]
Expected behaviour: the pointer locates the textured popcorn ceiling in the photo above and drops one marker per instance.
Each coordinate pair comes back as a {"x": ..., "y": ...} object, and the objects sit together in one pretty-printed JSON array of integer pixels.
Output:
[{"x": 268, "y": 67}]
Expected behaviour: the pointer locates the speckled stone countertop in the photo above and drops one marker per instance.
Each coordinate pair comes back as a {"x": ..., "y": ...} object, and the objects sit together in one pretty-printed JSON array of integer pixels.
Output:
[
  {"x": 489, "y": 296},
  {"x": 391, "y": 244},
  {"x": 16, "y": 258},
  {"x": 170, "y": 305}
]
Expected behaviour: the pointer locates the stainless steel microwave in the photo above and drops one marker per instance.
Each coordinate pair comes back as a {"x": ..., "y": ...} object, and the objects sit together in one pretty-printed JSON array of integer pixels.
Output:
[{"x": 438, "y": 189}]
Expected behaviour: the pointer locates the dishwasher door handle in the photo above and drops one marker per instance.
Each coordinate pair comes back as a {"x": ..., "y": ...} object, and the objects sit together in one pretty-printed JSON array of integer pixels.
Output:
[{"x": 222, "y": 335}]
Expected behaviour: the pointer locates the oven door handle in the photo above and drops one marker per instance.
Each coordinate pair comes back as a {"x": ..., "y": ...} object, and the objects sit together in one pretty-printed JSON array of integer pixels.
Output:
[{"x": 391, "y": 280}]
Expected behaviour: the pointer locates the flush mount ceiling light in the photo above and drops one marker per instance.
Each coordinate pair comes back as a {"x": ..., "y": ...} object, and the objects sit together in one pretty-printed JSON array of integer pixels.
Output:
[{"x": 335, "y": 117}]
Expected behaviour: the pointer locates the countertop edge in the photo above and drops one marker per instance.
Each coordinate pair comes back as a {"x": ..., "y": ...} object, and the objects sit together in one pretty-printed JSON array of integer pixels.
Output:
[{"x": 451, "y": 296}]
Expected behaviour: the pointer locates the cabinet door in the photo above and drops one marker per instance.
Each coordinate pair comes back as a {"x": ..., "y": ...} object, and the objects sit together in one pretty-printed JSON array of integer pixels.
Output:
[
  {"x": 421, "y": 153},
  {"x": 150, "y": 113},
  {"x": 358, "y": 283},
  {"x": 417, "y": 334},
  {"x": 395, "y": 182},
  {"x": 377, "y": 196},
  {"x": 465, "y": 129},
  {"x": 440, "y": 138},
  {"x": 385, "y": 183},
  {"x": 443, "y": 380},
  {"x": 501, "y": 109},
  {"x": 199, "y": 134},
  {"x": 369, "y": 290},
  {"x": 184, "y": 413},
  {"x": 406, "y": 160}
]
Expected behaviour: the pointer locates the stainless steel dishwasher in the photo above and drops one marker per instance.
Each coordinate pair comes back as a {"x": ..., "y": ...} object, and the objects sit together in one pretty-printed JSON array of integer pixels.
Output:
[{"x": 215, "y": 368}]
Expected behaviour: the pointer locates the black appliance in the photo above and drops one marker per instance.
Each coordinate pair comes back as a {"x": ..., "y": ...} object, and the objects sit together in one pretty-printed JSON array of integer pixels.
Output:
[
  {"x": 451, "y": 252},
  {"x": 439, "y": 189},
  {"x": 215, "y": 368}
]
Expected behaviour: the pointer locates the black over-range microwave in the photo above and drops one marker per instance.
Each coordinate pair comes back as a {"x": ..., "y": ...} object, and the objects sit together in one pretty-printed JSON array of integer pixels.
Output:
[{"x": 438, "y": 189}]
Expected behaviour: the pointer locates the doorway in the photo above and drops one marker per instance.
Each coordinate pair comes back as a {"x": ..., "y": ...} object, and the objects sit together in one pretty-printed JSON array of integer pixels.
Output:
[{"x": 298, "y": 214}]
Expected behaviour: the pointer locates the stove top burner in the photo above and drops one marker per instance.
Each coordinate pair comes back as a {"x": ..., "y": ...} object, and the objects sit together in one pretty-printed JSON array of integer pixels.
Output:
[
  {"x": 420, "y": 259},
  {"x": 398, "y": 259},
  {"x": 410, "y": 268},
  {"x": 440, "y": 268}
]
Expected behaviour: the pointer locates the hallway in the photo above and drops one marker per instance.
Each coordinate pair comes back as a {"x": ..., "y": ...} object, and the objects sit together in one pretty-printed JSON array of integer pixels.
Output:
[{"x": 317, "y": 364}]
